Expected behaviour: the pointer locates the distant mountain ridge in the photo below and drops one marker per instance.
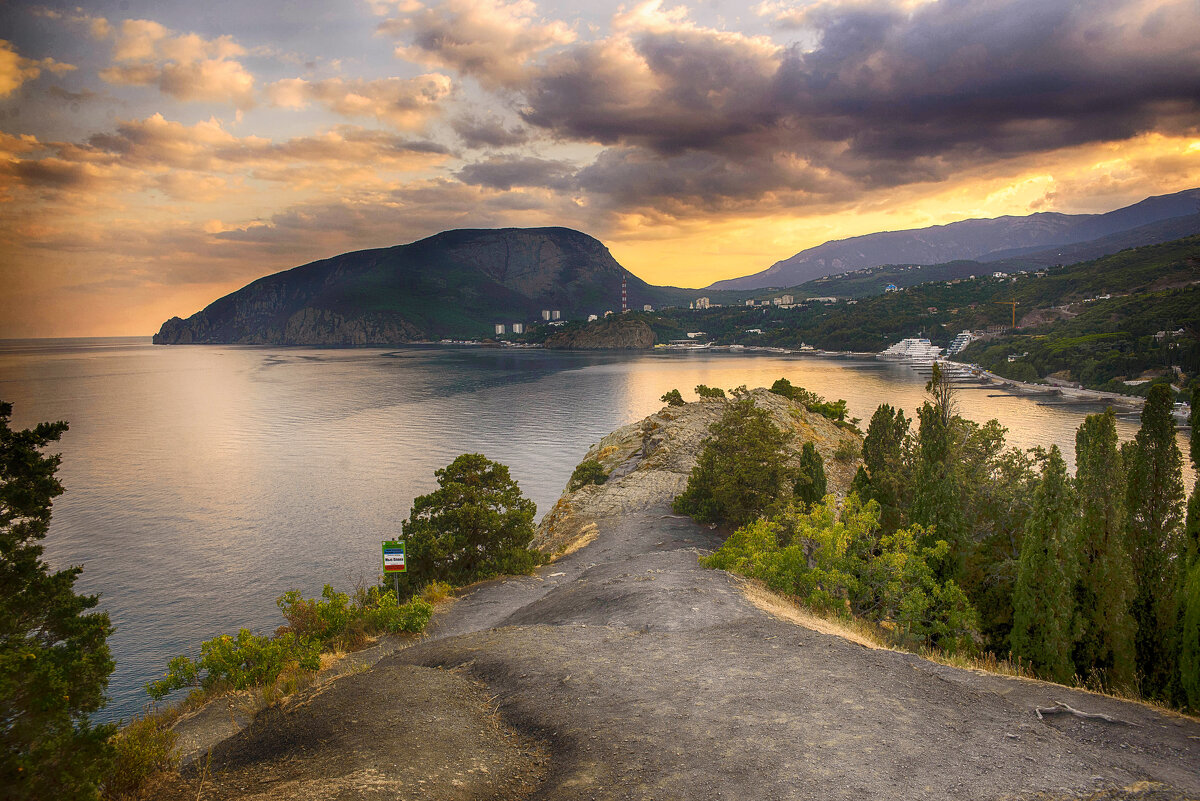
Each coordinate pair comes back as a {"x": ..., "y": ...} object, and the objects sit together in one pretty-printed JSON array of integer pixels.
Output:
[
  {"x": 454, "y": 284},
  {"x": 979, "y": 240}
]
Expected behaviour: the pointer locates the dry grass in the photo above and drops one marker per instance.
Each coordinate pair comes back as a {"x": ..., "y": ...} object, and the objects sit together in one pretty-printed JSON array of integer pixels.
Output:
[
  {"x": 871, "y": 635},
  {"x": 587, "y": 535}
]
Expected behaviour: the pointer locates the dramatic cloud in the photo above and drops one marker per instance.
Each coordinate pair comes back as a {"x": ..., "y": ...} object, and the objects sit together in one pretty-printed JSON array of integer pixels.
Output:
[
  {"x": 887, "y": 95},
  {"x": 492, "y": 42},
  {"x": 506, "y": 172},
  {"x": 407, "y": 104},
  {"x": 16, "y": 70},
  {"x": 184, "y": 66},
  {"x": 488, "y": 131}
]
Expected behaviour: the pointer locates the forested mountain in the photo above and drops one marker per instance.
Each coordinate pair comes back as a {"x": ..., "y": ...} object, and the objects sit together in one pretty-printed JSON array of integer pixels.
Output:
[{"x": 980, "y": 240}]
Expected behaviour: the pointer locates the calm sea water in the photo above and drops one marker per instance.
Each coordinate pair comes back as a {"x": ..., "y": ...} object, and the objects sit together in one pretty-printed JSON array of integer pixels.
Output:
[{"x": 203, "y": 482}]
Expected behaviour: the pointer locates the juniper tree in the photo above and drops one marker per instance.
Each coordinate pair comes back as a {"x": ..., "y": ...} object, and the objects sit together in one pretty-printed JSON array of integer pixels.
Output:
[
  {"x": 1104, "y": 589},
  {"x": 475, "y": 525},
  {"x": 741, "y": 471},
  {"x": 1043, "y": 603},
  {"x": 936, "y": 496},
  {"x": 1154, "y": 508},
  {"x": 54, "y": 656},
  {"x": 810, "y": 486}
]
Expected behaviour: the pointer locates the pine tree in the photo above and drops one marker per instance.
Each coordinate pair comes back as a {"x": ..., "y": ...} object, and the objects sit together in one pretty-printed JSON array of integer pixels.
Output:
[
  {"x": 54, "y": 658},
  {"x": 810, "y": 486},
  {"x": 1104, "y": 589},
  {"x": 1154, "y": 507},
  {"x": 1043, "y": 603}
]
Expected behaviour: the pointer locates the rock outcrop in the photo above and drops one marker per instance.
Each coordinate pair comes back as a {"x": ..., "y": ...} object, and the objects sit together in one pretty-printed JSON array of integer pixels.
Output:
[
  {"x": 648, "y": 463},
  {"x": 611, "y": 333}
]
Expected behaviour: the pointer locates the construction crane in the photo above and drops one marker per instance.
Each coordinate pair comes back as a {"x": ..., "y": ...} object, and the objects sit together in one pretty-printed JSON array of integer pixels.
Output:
[{"x": 1012, "y": 303}]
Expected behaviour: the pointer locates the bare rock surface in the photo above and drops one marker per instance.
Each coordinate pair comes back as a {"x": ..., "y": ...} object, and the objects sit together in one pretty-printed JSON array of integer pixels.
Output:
[{"x": 645, "y": 676}]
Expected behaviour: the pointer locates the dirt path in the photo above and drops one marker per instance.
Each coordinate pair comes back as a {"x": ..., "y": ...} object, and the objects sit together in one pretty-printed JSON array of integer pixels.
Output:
[{"x": 625, "y": 670}]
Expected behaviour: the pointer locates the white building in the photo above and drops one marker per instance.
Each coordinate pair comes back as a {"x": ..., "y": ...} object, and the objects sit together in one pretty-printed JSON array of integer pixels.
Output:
[
  {"x": 545, "y": 314},
  {"x": 702, "y": 303},
  {"x": 694, "y": 334},
  {"x": 556, "y": 315},
  {"x": 518, "y": 328},
  {"x": 891, "y": 288},
  {"x": 499, "y": 329},
  {"x": 592, "y": 318},
  {"x": 647, "y": 307},
  {"x": 787, "y": 300}
]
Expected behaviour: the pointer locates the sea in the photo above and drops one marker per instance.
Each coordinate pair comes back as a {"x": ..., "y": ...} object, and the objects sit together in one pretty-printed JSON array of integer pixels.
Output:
[{"x": 204, "y": 481}]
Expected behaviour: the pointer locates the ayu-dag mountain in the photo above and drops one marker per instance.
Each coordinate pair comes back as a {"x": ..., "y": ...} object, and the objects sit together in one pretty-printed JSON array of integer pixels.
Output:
[{"x": 462, "y": 283}]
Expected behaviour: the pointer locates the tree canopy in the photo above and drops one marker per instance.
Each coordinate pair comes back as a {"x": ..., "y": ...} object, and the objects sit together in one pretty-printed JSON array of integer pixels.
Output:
[
  {"x": 54, "y": 656},
  {"x": 475, "y": 525}
]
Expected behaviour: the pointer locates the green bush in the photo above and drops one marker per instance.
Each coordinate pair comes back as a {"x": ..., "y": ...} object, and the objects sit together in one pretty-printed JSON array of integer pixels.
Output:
[
  {"x": 835, "y": 410},
  {"x": 672, "y": 398},
  {"x": 239, "y": 663},
  {"x": 835, "y": 560},
  {"x": 741, "y": 472},
  {"x": 705, "y": 392},
  {"x": 143, "y": 748},
  {"x": 475, "y": 525},
  {"x": 589, "y": 471},
  {"x": 847, "y": 451}
]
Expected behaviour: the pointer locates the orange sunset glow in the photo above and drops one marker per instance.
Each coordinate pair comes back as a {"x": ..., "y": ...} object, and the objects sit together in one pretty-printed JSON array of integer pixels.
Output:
[{"x": 155, "y": 156}]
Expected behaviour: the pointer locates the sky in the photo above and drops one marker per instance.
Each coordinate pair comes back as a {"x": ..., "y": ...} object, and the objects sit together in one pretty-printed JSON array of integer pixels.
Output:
[{"x": 155, "y": 156}]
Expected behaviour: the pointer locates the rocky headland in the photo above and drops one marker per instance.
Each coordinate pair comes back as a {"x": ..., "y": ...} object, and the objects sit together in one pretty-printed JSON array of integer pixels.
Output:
[
  {"x": 612, "y": 333},
  {"x": 625, "y": 670}
]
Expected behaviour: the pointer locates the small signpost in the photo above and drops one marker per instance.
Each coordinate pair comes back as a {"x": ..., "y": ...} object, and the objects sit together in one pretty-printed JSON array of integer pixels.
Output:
[{"x": 393, "y": 562}]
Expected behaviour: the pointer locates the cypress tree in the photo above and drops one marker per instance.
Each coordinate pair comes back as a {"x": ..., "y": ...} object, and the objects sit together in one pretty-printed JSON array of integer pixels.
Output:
[
  {"x": 883, "y": 458},
  {"x": 1104, "y": 589},
  {"x": 810, "y": 486},
  {"x": 1191, "y": 525},
  {"x": 1154, "y": 507},
  {"x": 1043, "y": 603}
]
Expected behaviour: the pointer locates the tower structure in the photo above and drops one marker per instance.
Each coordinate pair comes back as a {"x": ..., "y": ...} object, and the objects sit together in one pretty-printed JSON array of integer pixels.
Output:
[{"x": 624, "y": 295}]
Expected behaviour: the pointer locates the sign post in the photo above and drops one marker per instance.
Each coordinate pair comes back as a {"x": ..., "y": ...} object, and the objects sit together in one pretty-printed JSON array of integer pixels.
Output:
[{"x": 393, "y": 562}]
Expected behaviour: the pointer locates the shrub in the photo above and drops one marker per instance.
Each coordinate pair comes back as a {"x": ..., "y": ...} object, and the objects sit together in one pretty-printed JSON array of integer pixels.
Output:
[
  {"x": 741, "y": 471},
  {"x": 835, "y": 560},
  {"x": 847, "y": 451},
  {"x": 476, "y": 525},
  {"x": 835, "y": 410},
  {"x": 145, "y": 747},
  {"x": 247, "y": 660},
  {"x": 705, "y": 392},
  {"x": 589, "y": 471},
  {"x": 672, "y": 398},
  {"x": 810, "y": 486}
]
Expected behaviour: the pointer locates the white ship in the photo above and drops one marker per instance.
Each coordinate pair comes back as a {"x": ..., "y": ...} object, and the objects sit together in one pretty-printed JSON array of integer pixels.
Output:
[{"x": 913, "y": 350}]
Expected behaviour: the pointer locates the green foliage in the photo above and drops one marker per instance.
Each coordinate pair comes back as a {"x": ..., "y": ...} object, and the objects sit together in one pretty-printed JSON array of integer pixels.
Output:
[
  {"x": 143, "y": 748},
  {"x": 336, "y": 620},
  {"x": 810, "y": 485},
  {"x": 883, "y": 457},
  {"x": 741, "y": 471},
  {"x": 847, "y": 451},
  {"x": 1154, "y": 504},
  {"x": 238, "y": 663},
  {"x": 1104, "y": 590},
  {"x": 837, "y": 560},
  {"x": 1189, "y": 652},
  {"x": 476, "y": 525},
  {"x": 705, "y": 392},
  {"x": 835, "y": 410},
  {"x": 54, "y": 658},
  {"x": 937, "y": 494},
  {"x": 672, "y": 398},
  {"x": 589, "y": 471},
  {"x": 1043, "y": 600}
]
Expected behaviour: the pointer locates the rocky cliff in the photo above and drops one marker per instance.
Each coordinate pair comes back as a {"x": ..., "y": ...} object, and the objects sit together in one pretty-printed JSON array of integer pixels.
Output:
[
  {"x": 611, "y": 333},
  {"x": 456, "y": 284},
  {"x": 648, "y": 463}
]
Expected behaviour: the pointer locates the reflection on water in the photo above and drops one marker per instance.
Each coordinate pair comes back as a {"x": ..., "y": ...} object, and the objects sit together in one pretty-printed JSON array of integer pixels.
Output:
[{"x": 202, "y": 482}]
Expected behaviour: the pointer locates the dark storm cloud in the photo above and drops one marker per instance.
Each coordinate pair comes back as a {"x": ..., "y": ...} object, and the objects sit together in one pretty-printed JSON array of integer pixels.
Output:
[
  {"x": 477, "y": 132},
  {"x": 886, "y": 97},
  {"x": 505, "y": 172}
]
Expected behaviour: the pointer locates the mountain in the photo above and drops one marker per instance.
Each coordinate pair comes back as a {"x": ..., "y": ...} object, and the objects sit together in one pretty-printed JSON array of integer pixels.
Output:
[
  {"x": 453, "y": 284},
  {"x": 968, "y": 239}
]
